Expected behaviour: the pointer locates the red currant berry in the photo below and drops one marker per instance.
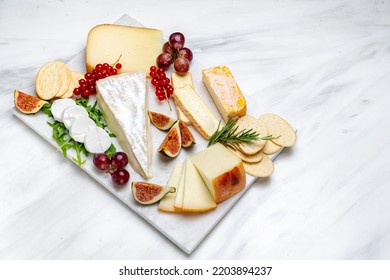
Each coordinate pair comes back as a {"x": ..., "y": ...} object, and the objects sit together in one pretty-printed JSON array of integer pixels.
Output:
[
  {"x": 118, "y": 66},
  {"x": 161, "y": 97},
  {"x": 153, "y": 69},
  {"x": 169, "y": 89},
  {"x": 82, "y": 82},
  {"x": 88, "y": 76},
  {"x": 85, "y": 93},
  {"x": 76, "y": 91},
  {"x": 99, "y": 68},
  {"x": 114, "y": 72}
]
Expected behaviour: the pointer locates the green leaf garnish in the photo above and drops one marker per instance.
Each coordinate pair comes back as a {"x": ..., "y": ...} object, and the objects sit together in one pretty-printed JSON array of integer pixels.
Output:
[{"x": 228, "y": 135}]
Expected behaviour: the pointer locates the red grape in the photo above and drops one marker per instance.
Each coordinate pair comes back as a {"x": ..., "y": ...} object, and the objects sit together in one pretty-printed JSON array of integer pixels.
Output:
[
  {"x": 177, "y": 40},
  {"x": 102, "y": 161},
  {"x": 164, "y": 60},
  {"x": 182, "y": 65},
  {"x": 119, "y": 160},
  {"x": 167, "y": 48},
  {"x": 187, "y": 53},
  {"x": 120, "y": 177}
]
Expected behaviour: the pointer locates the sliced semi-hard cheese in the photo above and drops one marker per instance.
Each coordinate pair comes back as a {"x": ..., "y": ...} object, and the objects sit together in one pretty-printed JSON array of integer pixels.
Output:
[
  {"x": 138, "y": 47},
  {"x": 221, "y": 170},
  {"x": 225, "y": 92},
  {"x": 181, "y": 81},
  {"x": 197, "y": 197},
  {"x": 180, "y": 189},
  {"x": 167, "y": 203},
  {"x": 196, "y": 110},
  {"x": 123, "y": 101}
]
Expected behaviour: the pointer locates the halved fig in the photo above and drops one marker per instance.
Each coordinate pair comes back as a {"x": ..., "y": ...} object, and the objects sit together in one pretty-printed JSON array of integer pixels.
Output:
[
  {"x": 147, "y": 193},
  {"x": 171, "y": 144},
  {"x": 187, "y": 139},
  {"x": 161, "y": 121},
  {"x": 27, "y": 103}
]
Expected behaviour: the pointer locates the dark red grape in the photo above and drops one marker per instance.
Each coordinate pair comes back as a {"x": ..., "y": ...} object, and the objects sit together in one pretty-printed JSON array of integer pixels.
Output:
[
  {"x": 187, "y": 53},
  {"x": 167, "y": 48},
  {"x": 120, "y": 177},
  {"x": 119, "y": 160},
  {"x": 102, "y": 161},
  {"x": 177, "y": 40},
  {"x": 182, "y": 65},
  {"x": 164, "y": 60}
]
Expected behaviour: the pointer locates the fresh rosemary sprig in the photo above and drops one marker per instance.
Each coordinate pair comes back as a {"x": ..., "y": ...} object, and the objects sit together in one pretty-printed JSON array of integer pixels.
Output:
[{"x": 229, "y": 136}]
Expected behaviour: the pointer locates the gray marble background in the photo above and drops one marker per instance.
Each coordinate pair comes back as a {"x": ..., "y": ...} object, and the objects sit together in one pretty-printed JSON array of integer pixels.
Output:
[{"x": 322, "y": 65}]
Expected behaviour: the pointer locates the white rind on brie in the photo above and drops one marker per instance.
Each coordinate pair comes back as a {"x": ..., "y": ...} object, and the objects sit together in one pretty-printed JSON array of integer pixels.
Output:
[{"x": 123, "y": 100}]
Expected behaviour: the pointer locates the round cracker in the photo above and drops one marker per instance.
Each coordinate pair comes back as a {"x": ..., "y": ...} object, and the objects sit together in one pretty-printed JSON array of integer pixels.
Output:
[
  {"x": 48, "y": 81},
  {"x": 74, "y": 83},
  {"x": 279, "y": 127},
  {"x": 270, "y": 148},
  {"x": 66, "y": 76},
  {"x": 249, "y": 122},
  {"x": 263, "y": 168},
  {"x": 248, "y": 158}
]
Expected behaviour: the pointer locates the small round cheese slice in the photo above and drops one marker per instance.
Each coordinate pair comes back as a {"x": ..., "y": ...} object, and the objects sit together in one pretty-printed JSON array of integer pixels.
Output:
[
  {"x": 80, "y": 128},
  {"x": 58, "y": 107},
  {"x": 72, "y": 113},
  {"x": 97, "y": 140}
]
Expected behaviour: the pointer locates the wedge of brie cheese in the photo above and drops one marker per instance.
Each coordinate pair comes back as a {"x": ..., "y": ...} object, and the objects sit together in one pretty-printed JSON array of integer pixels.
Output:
[{"x": 123, "y": 100}]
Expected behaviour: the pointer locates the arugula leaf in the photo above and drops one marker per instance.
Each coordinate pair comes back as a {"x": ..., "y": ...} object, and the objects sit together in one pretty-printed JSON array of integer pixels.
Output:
[
  {"x": 111, "y": 151},
  {"x": 46, "y": 109}
]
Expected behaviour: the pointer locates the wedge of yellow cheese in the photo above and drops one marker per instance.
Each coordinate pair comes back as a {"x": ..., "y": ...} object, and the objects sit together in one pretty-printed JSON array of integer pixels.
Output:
[
  {"x": 221, "y": 170},
  {"x": 225, "y": 92},
  {"x": 138, "y": 47},
  {"x": 197, "y": 197},
  {"x": 196, "y": 110},
  {"x": 181, "y": 81}
]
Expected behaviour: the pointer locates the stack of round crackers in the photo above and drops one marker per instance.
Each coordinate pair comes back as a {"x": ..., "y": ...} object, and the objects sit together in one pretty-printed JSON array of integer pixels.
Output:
[
  {"x": 56, "y": 80},
  {"x": 255, "y": 155}
]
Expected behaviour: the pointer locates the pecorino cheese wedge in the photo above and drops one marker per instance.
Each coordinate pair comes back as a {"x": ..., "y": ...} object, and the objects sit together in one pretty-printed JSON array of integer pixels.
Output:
[
  {"x": 138, "y": 47},
  {"x": 222, "y": 171},
  {"x": 196, "y": 110},
  {"x": 225, "y": 92},
  {"x": 123, "y": 101}
]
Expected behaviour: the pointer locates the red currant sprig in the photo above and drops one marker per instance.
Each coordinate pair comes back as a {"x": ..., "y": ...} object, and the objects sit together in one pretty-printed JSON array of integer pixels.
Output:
[
  {"x": 87, "y": 86},
  {"x": 162, "y": 84}
]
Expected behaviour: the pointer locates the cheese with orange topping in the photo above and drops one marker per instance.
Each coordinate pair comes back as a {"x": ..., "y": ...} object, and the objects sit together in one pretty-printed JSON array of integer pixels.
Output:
[{"x": 225, "y": 92}]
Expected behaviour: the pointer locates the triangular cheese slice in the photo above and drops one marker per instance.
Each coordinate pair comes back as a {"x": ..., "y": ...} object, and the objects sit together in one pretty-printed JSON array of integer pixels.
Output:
[
  {"x": 123, "y": 101},
  {"x": 180, "y": 189},
  {"x": 197, "y": 197},
  {"x": 167, "y": 203}
]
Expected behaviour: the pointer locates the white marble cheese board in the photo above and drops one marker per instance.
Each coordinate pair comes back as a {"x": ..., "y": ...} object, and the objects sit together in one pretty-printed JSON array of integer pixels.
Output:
[{"x": 185, "y": 230}]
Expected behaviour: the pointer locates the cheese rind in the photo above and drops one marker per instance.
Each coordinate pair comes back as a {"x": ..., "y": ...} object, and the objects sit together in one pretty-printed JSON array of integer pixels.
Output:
[
  {"x": 196, "y": 110},
  {"x": 180, "y": 189},
  {"x": 225, "y": 92},
  {"x": 221, "y": 170},
  {"x": 138, "y": 47},
  {"x": 123, "y": 100},
  {"x": 196, "y": 198}
]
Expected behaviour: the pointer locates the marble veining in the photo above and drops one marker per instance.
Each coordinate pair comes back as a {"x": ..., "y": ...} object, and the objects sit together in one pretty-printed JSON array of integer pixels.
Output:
[{"x": 322, "y": 65}]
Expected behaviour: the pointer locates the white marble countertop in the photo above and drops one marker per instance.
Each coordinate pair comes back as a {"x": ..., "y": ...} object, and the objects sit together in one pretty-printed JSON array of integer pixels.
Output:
[{"x": 322, "y": 65}]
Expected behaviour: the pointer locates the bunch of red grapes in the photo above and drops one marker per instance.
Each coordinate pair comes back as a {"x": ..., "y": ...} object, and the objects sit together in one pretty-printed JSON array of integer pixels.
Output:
[
  {"x": 87, "y": 86},
  {"x": 175, "y": 52},
  {"x": 116, "y": 166}
]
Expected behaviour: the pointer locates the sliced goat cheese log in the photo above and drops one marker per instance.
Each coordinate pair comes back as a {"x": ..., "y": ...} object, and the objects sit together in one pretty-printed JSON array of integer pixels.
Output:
[
  {"x": 80, "y": 128},
  {"x": 58, "y": 107},
  {"x": 72, "y": 113},
  {"x": 123, "y": 100},
  {"x": 97, "y": 140}
]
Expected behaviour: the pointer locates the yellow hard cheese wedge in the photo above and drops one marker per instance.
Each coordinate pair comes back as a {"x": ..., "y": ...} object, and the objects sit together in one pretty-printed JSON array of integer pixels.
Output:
[
  {"x": 181, "y": 81},
  {"x": 225, "y": 92},
  {"x": 139, "y": 47},
  {"x": 196, "y": 110},
  {"x": 221, "y": 170},
  {"x": 197, "y": 197}
]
